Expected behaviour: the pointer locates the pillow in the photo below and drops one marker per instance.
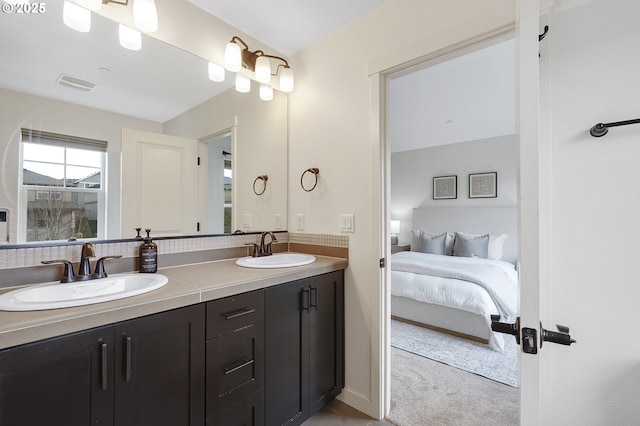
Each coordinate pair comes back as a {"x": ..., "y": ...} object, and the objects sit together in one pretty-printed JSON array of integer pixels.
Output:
[
  {"x": 496, "y": 244},
  {"x": 471, "y": 246},
  {"x": 433, "y": 244},
  {"x": 448, "y": 243}
]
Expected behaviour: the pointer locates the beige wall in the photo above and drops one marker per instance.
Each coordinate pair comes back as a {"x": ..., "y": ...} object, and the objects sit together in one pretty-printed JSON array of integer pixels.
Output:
[
  {"x": 20, "y": 110},
  {"x": 259, "y": 148},
  {"x": 331, "y": 128}
]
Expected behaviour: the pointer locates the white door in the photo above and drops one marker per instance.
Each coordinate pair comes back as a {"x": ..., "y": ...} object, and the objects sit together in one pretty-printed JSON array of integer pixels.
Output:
[
  {"x": 589, "y": 65},
  {"x": 159, "y": 183}
]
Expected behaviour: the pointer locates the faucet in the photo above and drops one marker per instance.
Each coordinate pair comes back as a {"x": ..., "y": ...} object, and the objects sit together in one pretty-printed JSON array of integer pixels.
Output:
[
  {"x": 264, "y": 250},
  {"x": 84, "y": 270},
  {"x": 85, "y": 254}
]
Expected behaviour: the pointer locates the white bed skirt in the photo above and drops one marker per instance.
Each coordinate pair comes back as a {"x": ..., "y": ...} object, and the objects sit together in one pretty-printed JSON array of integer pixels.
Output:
[{"x": 460, "y": 322}]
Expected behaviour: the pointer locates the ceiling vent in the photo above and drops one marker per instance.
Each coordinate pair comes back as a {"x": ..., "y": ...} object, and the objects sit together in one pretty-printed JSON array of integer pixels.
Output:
[{"x": 75, "y": 83}]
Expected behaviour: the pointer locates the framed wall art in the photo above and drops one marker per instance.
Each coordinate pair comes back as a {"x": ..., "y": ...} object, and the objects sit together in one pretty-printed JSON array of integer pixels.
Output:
[
  {"x": 445, "y": 187},
  {"x": 483, "y": 185}
]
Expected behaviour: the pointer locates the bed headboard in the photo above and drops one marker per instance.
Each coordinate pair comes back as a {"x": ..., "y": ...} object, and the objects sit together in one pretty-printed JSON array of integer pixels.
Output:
[{"x": 473, "y": 220}]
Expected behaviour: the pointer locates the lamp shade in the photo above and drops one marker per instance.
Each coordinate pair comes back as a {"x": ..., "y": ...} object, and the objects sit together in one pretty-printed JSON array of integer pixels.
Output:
[
  {"x": 263, "y": 69},
  {"x": 216, "y": 72},
  {"x": 286, "y": 79},
  {"x": 394, "y": 226},
  {"x": 232, "y": 57},
  {"x": 145, "y": 15},
  {"x": 76, "y": 17},
  {"x": 129, "y": 38},
  {"x": 243, "y": 84},
  {"x": 266, "y": 92}
]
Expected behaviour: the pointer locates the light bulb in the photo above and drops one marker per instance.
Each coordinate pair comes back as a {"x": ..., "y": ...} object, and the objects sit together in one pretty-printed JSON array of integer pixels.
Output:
[
  {"x": 266, "y": 92},
  {"x": 232, "y": 57},
  {"x": 243, "y": 84},
  {"x": 129, "y": 38},
  {"x": 263, "y": 69},
  {"x": 286, "y": 79},
  {"x": 76, "y": 17},
  {"x": 216, "y": 72},
  {"x": 145, "y": 15}
]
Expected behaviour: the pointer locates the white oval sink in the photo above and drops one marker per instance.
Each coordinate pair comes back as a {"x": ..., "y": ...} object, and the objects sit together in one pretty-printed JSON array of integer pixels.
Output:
[
  {"x": 279, "y": 260},
  {"x": 55, "y": 295}
]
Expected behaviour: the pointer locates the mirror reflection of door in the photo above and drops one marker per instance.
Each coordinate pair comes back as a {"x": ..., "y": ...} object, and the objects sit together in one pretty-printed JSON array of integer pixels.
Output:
[{"x": 216, "y": 184}]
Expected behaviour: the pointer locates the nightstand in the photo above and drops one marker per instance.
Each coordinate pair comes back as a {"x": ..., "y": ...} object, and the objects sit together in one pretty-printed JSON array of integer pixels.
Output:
[{"x": 400, "y": 247}]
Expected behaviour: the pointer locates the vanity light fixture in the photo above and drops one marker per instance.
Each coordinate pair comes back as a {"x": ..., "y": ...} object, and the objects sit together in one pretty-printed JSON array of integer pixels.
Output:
[
  {"x": 145, "y": 15},
  {"x": 77, "y": 14},
  {"x": 243, "y": 84},
  {"x": 76, "y": 17},
  {"x": 216, "y": 72},
  {"x": 237, "y": 56},
  {"x": 266, "y": 92},
  {"x": 129, "y": 38}
]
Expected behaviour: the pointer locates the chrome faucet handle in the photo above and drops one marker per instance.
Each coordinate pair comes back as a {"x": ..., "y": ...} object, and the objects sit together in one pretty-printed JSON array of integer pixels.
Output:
[
  {"x": 100, "y": 272},
  {"x": 67, "y": 274}
]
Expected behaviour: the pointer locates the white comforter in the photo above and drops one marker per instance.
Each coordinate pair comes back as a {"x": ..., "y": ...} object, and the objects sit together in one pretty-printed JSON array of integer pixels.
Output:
[{"x": 475, "y": 285}]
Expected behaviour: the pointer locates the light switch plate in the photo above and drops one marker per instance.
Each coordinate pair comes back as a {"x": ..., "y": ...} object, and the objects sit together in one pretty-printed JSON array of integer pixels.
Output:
[
  {"x": 278, "y": 221},
  {"x": 300, "y": 222},
  {"x": 347, "y": 223},
  {"x": 246, "y": 220}
]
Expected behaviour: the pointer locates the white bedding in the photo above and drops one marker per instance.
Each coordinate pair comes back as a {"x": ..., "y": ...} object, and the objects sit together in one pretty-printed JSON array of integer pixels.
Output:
[{"x": 480, "y": 286}]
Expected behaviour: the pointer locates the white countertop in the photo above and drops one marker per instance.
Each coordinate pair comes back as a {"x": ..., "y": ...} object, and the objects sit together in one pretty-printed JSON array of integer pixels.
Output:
[{"x": 188, "y": 285}]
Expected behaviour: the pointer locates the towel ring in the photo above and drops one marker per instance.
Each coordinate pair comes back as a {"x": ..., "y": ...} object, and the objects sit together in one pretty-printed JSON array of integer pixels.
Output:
[
  {"x": 315, "y": 172},
  {"x": 264, "y": 179}
]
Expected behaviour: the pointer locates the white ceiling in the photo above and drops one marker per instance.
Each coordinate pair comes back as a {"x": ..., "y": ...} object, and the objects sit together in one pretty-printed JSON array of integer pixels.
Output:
[
  {"x": 289, "y": 26},
  {"x": 466, "y": 98},
  {"x": 475, "y": 93}
]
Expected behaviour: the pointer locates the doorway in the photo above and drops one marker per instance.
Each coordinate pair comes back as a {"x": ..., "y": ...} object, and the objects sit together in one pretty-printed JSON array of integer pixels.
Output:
[
  {"x": 454, "y": 117},
  {"x": 216, "y": 183}
]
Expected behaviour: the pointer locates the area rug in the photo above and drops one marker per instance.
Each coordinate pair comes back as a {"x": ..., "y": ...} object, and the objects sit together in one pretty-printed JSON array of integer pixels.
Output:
[{"x": 458, "y": 352}]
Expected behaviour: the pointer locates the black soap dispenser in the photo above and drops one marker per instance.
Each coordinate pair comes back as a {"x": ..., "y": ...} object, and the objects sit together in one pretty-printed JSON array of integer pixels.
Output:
[{"x": 148, "y": 256}]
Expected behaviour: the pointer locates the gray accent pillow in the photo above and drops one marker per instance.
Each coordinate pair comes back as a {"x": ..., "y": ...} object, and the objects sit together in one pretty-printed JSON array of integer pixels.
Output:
[
  {"x": 471, "y": 246},
  {"x": 432, "y": 244}
]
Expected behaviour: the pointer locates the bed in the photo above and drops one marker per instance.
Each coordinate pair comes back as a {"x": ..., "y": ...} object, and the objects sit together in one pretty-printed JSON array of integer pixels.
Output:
[{"x": 459, "y": 272}]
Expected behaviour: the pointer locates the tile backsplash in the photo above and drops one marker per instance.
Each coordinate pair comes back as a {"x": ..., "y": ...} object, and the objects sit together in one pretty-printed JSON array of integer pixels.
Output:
[{"x": 33, "y": 256}]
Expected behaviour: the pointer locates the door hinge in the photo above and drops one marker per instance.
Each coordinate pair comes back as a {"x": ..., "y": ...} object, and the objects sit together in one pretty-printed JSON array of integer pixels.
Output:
[{"x": 382, "y": 262}]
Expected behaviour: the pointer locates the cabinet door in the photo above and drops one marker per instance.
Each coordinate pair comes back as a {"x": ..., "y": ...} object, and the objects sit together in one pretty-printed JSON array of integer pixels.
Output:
[
  {"x": 160, "y": 369},
  {"x": 60, "y": 381},
  {"x": 326, "y": 331},
  {"x": 287, "y": 353}
]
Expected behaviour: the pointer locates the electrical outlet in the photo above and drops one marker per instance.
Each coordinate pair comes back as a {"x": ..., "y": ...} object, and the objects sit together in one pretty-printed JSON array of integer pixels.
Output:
[
  {"x": 300, "y": 222},
  {"x": 278, "y": 221}
]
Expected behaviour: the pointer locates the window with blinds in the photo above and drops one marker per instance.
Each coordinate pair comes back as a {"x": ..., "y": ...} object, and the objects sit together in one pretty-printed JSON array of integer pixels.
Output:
[{"x": 62, "y": 187}]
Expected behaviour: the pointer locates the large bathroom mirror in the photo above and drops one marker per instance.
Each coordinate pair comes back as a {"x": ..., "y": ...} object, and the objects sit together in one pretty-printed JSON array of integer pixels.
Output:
[{"x": 55, "y": 80}]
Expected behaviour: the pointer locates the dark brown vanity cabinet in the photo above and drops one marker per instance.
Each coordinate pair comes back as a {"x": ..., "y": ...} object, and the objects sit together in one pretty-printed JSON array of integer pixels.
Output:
[
  {"x": 235, "y": 360},
  {"x": 146, "y": 371},
  {"x": 304, "y": 347},
  {"x": 60, "y": 381},
  {"x": 159, "y": 369}
]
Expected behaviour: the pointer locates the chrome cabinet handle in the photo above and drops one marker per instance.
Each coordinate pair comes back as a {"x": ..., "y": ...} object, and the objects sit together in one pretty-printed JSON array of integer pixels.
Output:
[
  {"x": 104, "y": 354},
  {"x": 128, "y": 345}
]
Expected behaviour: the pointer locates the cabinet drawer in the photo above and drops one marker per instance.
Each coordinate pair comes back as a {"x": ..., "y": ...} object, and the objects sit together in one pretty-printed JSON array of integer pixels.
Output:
[
  {"x": 235, "y": 312},
  {"x": 235, "y": 367},
  {"x": 248, "y": 412}
]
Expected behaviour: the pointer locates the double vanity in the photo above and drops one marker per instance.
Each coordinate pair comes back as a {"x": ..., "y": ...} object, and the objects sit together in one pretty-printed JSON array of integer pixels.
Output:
[{"x": 217, "y": 344}]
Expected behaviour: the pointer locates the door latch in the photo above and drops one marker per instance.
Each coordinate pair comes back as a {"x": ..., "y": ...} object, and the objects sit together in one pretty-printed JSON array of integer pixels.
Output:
[{"x": 561, "y": 337}]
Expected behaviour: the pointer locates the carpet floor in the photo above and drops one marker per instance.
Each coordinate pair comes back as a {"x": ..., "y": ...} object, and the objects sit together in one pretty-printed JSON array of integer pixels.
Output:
[
  {"x": 467, "y": 355},
  {"x": 428, "y": 393}
]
